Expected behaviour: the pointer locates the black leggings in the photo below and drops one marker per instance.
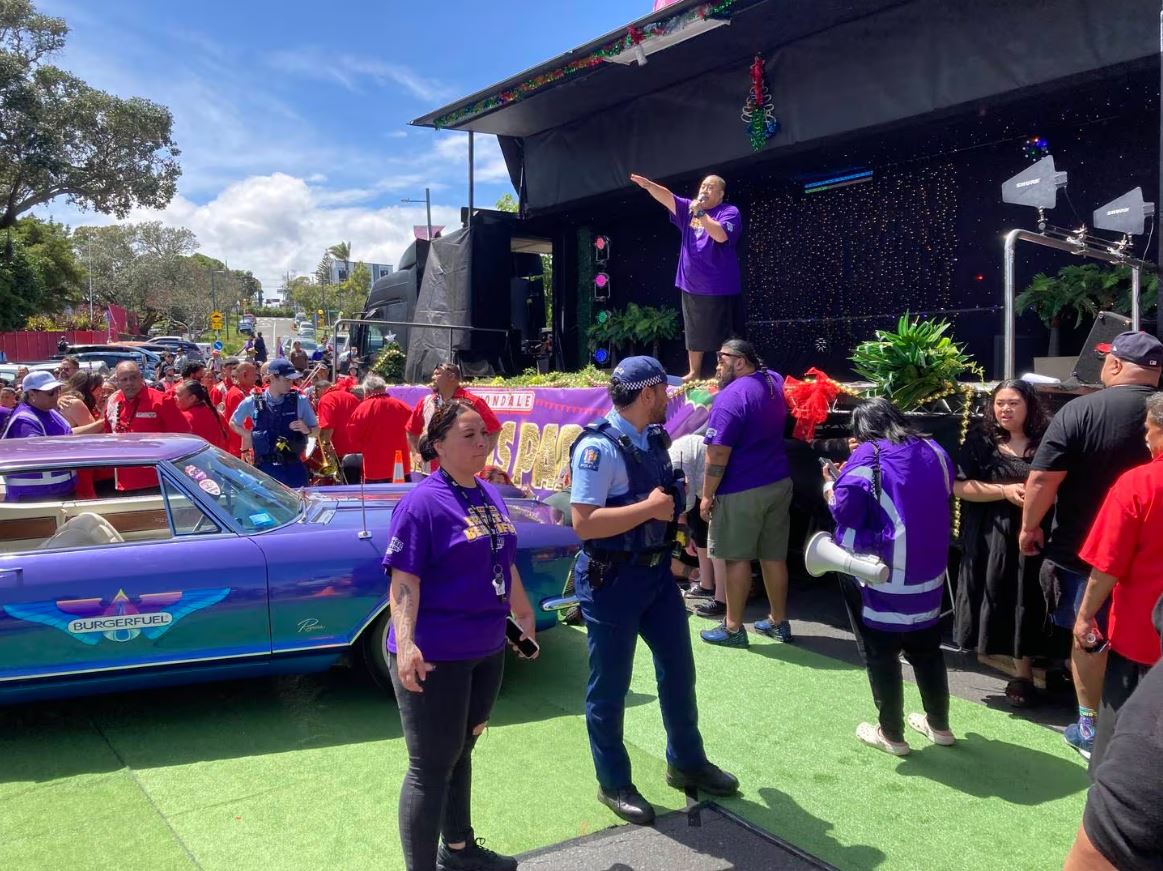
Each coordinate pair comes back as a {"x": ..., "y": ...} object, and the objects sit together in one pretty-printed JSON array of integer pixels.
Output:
[
  {"x": 881, "y": 652},
  {"x": 438, "y": 730}
]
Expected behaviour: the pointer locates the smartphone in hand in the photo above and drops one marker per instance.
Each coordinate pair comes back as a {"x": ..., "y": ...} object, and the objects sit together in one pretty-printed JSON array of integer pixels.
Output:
[{"x": 526, "y": 647}]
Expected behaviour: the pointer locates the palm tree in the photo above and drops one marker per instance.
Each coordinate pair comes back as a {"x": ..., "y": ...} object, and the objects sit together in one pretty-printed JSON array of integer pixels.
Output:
[{"x": 342, "y": 251}]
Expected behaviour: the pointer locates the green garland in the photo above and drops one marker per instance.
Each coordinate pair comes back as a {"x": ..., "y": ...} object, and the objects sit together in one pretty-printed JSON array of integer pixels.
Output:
[{"x": 633, "y": 36}]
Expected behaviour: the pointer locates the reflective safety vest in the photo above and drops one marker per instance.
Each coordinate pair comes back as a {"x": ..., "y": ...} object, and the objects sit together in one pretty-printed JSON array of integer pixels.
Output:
[
  {"x": 36, "y": 486},
  {"x": 647, "y": 470}
]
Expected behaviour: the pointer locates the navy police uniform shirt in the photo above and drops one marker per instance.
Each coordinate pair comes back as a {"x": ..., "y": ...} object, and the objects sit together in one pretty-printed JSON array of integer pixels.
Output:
[{"x": 598, "y": 468}]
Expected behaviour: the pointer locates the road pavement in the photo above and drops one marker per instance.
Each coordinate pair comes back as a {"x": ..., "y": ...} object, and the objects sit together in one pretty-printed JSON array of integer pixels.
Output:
[{"x": 274, "y": 330}]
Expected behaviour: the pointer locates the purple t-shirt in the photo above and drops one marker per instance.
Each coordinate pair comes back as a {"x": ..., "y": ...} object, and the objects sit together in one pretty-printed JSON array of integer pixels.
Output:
[
  {"x": 707, "y": 267},
  {"x": 431, "y": 537},
  {"x": 748, "y": 417},
  {"x": 44, "y": 423}
]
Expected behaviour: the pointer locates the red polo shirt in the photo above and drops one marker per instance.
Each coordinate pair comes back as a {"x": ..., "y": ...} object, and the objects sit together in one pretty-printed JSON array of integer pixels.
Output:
[
  {"x": 150, "y": 411},
  {"x": 336, "y": 406},
  {"x": 234, "y": 397},
  {"x": 377, "y": 431},
  {"x": 425, "y": 408},
  {"x": 1126, "y": 541}
]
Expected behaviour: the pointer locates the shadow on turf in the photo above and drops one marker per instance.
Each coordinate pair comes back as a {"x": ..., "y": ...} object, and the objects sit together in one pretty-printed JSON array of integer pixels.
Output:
[
  {"x": 780, "y": 815},
  {"x": 988, "y": 768},
  {"x": 239, "y": 718}
]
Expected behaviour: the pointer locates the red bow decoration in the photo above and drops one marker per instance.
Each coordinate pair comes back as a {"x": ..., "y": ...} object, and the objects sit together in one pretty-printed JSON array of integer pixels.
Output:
[{"x": 810, "y": 401}]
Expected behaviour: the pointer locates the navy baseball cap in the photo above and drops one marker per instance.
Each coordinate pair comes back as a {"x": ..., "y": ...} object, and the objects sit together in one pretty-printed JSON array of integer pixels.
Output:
[
  {"x": 282, "y": 368},
  {"x": 1136, "y": 347},
  {"x": 635, "y": 373}
]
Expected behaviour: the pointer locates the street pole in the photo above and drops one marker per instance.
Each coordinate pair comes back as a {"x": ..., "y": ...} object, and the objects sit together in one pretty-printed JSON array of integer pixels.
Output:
[
  {"x": 213, "y": 298},
  {"x": 428, "y": 206},
  {"x": 89, "y": 248},
  {"x": 471, "y": 145}
]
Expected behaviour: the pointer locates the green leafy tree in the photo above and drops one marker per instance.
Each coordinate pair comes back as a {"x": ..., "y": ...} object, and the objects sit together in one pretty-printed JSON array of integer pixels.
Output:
[
  {"x": 22, "y": 289},
  {"x": 50, "y": 252},
  {"x": 59, "y": 137}
]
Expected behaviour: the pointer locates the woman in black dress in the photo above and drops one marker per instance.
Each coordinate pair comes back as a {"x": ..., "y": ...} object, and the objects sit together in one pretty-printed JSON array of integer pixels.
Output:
[{"x": 1000, "y": 609}]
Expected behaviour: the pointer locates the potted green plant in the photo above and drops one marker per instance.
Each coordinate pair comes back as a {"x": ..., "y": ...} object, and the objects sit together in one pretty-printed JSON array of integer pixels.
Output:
[
  {"x": 634, "y": 327},
  {"x": 914, "y": 365}
]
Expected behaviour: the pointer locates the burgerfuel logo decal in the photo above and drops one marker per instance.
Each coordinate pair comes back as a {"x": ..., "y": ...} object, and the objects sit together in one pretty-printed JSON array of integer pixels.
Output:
[{"x": 119, "y": 619}]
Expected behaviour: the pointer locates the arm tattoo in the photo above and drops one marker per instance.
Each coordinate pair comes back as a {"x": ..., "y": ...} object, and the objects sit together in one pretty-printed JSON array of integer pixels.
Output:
[
  {"x": 714, "y": 471},
  {"x": 404, "y": 612}
]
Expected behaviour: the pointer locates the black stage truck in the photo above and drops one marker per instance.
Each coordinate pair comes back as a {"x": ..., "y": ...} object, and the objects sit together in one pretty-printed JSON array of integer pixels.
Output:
[{"x": 486, "y": 277}]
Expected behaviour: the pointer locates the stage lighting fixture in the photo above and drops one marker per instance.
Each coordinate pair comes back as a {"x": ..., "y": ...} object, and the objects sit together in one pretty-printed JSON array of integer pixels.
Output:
[
  {"x": 601, "y": 250},
  {"x": 1127, "y": 214},
  {"x": 601, "y": 287},
  {"x": 1036, "y": 186}
]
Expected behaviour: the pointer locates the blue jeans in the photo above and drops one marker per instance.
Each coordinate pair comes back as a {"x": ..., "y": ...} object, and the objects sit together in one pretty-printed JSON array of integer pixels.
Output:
[
  {"x": 1073, "y": 587},
  {"x": 633, "y": 601}
]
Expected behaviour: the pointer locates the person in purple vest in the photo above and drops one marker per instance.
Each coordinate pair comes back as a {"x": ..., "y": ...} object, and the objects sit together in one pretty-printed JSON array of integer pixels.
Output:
[
  {"x": 37, "y": 415},
  {"x": 891, "y": 500}
]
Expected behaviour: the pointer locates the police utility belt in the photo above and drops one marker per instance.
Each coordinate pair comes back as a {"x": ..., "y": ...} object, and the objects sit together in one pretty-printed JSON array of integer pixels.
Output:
[{"x": 625, "y": 557}]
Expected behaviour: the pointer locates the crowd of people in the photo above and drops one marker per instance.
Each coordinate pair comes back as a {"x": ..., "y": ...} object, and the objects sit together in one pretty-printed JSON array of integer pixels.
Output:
[{"x": 263, "y": 413}]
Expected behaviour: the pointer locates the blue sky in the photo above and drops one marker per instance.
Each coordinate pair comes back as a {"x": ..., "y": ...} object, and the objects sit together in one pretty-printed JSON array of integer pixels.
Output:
[{"x": 292, "y": 116}]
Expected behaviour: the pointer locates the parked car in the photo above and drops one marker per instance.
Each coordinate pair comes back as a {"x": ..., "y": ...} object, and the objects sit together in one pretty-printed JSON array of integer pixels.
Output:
[
  {"x": 113, "y": 354},
  {"x": 176, "y": 344},
  {"x": 246, "y": 324},
  {"x": 222, "y": 573}
]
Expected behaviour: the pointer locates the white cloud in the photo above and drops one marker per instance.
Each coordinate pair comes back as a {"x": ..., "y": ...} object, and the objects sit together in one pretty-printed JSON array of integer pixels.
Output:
[
  {"x": 353, "y": 71},
  {"x": 277, "y": 223}
]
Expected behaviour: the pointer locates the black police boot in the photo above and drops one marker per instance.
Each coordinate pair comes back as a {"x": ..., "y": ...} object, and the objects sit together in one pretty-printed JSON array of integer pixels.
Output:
[
  {"x": 710, "y": 779},
  {"x": 629, "y": 804}
]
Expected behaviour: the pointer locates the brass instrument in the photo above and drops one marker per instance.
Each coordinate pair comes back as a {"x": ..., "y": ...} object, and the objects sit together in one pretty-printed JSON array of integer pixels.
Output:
[{"x": 323, "y": 462}]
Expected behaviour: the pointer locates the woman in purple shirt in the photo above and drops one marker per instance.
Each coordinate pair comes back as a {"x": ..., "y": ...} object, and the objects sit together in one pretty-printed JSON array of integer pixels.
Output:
[
  {"x": 891, "y": 501},
  {"x": 451, "y": 558}
]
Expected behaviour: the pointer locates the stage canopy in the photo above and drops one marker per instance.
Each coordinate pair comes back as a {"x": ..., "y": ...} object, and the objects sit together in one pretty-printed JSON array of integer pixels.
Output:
[{"x": 576, "y": 126}]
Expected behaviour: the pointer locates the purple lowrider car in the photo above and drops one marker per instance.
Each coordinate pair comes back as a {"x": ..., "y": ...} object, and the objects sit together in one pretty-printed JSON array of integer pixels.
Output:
[{"x": 221, "y": 572}]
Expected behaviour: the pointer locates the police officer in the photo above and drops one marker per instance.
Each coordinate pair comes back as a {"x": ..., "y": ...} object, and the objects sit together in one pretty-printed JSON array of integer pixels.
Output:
[
  {"x": 282, "y": 419},
  {"x": 624, "y": 505}
]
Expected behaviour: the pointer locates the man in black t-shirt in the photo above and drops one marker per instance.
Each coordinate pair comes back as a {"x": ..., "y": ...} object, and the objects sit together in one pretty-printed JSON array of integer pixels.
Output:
[
  {"x": 1090, "y": 442},
  {"x": 1122, "y": 827}
]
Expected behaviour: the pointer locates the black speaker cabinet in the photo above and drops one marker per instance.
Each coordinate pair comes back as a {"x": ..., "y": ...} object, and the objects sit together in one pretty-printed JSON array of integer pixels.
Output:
[{"x": 1089, "y": 364}]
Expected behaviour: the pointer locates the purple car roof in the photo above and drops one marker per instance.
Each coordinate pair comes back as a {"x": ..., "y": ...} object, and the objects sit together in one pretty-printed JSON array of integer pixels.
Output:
[{"x": 96, "y": 450}]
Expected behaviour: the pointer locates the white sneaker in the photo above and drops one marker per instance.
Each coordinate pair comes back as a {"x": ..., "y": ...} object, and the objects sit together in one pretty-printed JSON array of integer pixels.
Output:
[
  {"x": 873, "y": 737},
  {"x": 921, "y": 723}
]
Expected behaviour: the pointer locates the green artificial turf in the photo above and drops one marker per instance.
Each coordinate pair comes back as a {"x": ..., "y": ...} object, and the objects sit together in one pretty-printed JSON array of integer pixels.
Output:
[{"x": 305, "y": 772}]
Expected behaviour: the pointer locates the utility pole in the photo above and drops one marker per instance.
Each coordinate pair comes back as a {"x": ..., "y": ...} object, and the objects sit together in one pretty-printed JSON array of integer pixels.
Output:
[
  {"x": 427, "y": 201},
  {"x": 89, "y": 251}
]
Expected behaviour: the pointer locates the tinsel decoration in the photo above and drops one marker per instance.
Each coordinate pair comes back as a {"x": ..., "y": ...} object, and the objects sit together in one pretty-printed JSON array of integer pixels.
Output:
[
  {"x": 759, "y": 110},
  {"x": 633, "y": 36},
  {"x": 1035, "y": 148}
]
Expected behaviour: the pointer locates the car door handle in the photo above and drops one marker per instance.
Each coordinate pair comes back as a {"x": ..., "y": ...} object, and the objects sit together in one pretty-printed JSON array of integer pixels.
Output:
[{"x": 16, "y": 573}]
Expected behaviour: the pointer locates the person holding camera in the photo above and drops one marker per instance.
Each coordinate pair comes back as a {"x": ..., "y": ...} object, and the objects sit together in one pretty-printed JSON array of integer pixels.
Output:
[
  {"x": 451, "y": 560},
  {"x": 625, "y": 501},
  {"x": 891, "y": 502}
]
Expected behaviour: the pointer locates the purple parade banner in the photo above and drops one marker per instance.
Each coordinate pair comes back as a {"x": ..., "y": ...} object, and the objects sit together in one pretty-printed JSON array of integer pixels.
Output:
[{"x": 540, "y": 424}]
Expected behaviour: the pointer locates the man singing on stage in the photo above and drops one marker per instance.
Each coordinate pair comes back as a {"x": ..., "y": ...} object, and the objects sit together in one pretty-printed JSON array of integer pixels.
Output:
[{"x": 708, "y": 270}]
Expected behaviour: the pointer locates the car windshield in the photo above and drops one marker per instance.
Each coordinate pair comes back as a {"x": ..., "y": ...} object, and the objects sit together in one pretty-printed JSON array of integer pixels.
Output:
[{"x": 257, "y": 501}]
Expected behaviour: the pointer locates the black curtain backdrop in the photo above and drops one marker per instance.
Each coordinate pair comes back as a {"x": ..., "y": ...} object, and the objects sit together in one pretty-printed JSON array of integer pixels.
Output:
[{"x": 822, "y": 271}]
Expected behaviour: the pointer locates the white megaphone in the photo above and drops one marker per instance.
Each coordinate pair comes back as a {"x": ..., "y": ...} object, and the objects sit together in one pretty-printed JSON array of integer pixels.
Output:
[{"x": 823, "y": 555}]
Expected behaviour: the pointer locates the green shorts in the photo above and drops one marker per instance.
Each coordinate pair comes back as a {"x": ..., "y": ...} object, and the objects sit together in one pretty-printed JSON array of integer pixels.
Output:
[{"x": 752, "y": 524}]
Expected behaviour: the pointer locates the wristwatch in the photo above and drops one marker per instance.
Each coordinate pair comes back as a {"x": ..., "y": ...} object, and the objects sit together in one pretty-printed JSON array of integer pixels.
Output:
[{"x": 700, "y": 212}]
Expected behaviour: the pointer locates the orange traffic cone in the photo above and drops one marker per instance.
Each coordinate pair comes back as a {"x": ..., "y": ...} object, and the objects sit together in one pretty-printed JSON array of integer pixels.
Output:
[{"x": 398, "y": 468}]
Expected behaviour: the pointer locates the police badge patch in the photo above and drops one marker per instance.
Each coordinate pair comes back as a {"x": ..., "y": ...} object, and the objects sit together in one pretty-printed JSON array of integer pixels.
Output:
[{"x": 590, "y": 459}]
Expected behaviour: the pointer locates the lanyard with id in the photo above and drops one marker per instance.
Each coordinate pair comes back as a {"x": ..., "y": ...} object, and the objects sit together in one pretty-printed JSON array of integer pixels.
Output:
[{"x": 486, "y": 510}]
